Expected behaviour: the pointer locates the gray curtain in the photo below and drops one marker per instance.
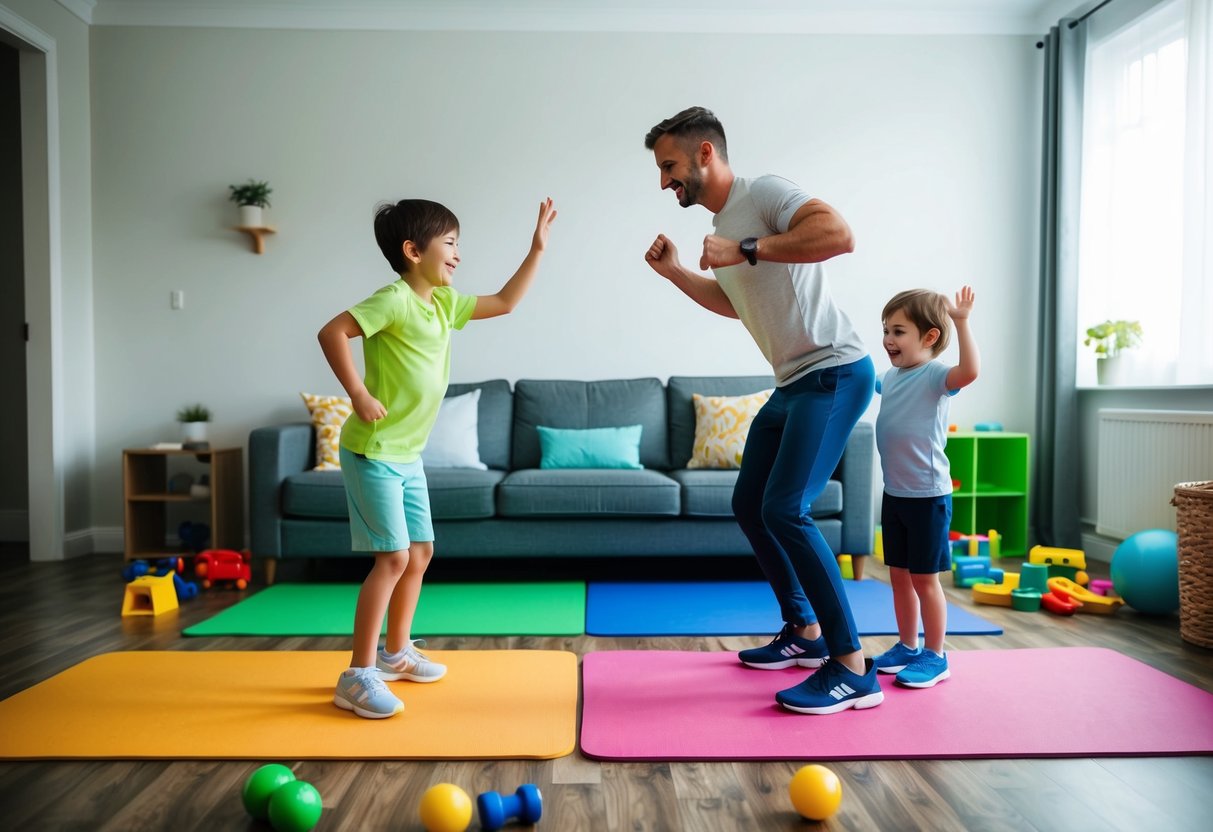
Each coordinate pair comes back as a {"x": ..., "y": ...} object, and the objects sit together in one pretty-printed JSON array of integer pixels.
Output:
[{"x": 1055, "y": 471}]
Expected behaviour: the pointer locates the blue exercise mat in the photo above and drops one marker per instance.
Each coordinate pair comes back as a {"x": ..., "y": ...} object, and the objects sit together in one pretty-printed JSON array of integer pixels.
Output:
[{"x": 737, "y": 608}]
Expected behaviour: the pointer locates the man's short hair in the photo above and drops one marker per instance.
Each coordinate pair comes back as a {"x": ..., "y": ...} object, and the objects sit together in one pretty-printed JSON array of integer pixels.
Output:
[
  {"x": 691, "y": 127},
  {"x": 419, "y": 220}
]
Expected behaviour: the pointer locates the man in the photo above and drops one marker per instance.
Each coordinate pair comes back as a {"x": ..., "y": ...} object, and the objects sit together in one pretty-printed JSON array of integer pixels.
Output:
[{"x": 766, "y": 257}]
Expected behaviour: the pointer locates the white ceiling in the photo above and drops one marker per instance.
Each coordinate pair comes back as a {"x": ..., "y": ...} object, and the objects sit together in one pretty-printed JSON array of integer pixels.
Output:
[{"x": 1008, "y": 17}]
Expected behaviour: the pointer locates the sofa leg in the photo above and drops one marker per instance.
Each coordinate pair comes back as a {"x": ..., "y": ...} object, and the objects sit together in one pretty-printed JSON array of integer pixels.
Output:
[
  {"x": 271, "y": 566},
  {"x": 857, "y": 562}
]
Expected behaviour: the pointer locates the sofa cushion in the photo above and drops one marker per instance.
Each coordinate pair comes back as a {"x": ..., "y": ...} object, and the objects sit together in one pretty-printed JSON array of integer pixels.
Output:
[
  {"x": 587, "y": 492},
  {"x": 682, "y": 411},
  {"x": 455, "y": 494},
  {"x": 709, "y": 493},
  {"x": 462, "y": 493},
  {"x": 494, "y": 418},
  {"x": 315, "y": 494},
  {"x": 590, "y": 404}
]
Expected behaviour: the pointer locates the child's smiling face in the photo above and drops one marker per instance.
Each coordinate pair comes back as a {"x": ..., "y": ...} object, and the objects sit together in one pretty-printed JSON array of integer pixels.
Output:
[
  {"x": 438, "y": 262},
  {"x": 905, "y": 345}
]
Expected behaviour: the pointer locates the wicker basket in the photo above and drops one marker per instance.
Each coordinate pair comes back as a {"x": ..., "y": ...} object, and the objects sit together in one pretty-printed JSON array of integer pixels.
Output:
[{"x": 1194, "y": 520}]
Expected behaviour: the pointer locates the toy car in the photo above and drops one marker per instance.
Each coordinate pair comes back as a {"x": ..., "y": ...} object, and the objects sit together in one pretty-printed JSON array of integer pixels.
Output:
[{"x": 215, "y": 565}]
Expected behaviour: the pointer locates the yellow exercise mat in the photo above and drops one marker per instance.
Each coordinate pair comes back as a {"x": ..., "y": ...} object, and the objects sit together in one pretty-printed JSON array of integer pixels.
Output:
[{"x": 279, "y": 705}]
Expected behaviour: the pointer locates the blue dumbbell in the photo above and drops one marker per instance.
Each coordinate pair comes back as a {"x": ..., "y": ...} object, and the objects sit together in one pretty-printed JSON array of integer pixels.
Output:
[{"x": 526, "y": 805}]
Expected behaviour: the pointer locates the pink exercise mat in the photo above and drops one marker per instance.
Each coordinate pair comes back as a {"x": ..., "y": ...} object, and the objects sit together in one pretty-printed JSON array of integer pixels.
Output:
[{"x": 1056, "y": 702}]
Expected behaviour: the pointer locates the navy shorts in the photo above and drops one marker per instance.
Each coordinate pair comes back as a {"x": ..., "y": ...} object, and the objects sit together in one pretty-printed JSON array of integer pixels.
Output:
[{"x": 915, "y": 533}]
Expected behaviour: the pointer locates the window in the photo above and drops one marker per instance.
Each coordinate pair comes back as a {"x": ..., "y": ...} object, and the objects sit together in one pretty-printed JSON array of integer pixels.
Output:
[{"x": 1137, "y": 160}]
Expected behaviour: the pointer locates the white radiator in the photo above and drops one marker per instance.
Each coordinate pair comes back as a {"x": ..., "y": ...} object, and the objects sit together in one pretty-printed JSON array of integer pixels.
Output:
[{"x": 1142, "y": 455}]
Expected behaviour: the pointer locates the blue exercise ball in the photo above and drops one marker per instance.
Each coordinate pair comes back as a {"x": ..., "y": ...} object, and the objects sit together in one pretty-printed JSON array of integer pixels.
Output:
[{"x": 1145, "y": 571}]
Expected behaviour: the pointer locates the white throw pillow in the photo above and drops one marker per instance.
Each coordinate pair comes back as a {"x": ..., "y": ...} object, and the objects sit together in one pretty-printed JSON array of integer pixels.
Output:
[{"x": 454, "y": 442}]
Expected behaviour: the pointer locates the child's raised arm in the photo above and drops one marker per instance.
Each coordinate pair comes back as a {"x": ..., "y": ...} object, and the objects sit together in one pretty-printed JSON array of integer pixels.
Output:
[
  {"x": 334, "y": 338},
  {"x": 502, "y": 303},
  {"x": 964, "y": 373}
]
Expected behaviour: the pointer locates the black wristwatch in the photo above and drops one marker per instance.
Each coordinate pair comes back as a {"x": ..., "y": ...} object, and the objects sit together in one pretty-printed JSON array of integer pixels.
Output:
[{"x": 749, "y": 247}]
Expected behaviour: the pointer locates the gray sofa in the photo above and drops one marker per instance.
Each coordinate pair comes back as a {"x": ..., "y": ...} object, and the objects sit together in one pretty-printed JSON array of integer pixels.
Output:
[{"x": 517, "y": 509}]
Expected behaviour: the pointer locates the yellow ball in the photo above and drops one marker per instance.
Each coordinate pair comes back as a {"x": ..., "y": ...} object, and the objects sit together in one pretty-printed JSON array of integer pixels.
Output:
[
  {"x": 445, "y": 808},
  {"x": 816, "y": 792}
]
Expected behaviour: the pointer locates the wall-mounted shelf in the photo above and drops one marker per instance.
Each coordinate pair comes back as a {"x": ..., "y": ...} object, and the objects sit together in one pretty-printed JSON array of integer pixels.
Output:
[{"x": 258, "y": 233}]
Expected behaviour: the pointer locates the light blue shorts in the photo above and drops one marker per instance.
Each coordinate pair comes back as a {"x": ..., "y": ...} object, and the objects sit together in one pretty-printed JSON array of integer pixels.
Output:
[{"x": 389, "y": 503}]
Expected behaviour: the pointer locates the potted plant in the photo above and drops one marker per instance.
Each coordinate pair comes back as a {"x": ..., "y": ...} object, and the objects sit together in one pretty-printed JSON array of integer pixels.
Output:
[
  {"x": 193, "y": 419},
  {"x": 1110, "y": 339},
  {"x": 252, "y": 196}
]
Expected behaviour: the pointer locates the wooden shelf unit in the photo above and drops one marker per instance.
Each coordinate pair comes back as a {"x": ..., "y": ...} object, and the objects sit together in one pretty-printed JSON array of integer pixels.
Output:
[{"x": 145, "y": 476}]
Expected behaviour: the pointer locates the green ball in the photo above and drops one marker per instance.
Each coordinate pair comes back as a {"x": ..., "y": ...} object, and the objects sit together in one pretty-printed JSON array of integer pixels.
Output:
[
  {"x": 260, "y": 785},
  {"x": 295, "y": 807}
]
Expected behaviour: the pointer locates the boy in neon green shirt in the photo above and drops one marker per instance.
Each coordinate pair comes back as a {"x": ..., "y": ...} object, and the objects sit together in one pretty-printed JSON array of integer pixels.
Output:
[{"x": 406, "y": 327}]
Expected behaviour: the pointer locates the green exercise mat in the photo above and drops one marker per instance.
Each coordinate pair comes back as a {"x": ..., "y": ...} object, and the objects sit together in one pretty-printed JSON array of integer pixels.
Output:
[{"x": 472, "y": 609}]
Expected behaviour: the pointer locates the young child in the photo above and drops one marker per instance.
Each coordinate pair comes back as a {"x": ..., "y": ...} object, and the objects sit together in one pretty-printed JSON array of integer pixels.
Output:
[
  {"x": 406, "y": 327},
  {"x": 910, "y": 434}
]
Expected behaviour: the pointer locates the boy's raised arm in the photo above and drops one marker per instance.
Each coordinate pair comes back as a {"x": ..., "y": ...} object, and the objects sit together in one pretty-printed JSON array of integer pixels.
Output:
[
  {"x": 964, "y": 373},
  {"x": 502, "y": 303}
]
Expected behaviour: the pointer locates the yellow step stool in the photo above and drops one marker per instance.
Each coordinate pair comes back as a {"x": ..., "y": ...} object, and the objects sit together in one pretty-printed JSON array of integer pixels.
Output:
[{"x": 150, "y": 595}]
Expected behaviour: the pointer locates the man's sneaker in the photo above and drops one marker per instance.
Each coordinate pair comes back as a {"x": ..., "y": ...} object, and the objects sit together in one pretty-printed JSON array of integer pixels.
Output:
[
  {"x": 787, "y": 650},
  {"x": 359, "y": 689},
  {"x": 833, "y": 688},
  {"x": 896, "y": 658},
  {"x": 926, "y": 671},
  {"x": 410, "y": 663}
]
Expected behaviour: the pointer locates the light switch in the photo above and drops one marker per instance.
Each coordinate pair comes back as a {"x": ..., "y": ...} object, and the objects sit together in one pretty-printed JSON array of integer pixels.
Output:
[{"x": 177, "y": 299}]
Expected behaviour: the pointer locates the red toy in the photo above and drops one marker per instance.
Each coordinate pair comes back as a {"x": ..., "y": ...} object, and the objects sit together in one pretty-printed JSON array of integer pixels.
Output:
[{"x": 224, "y": 565}]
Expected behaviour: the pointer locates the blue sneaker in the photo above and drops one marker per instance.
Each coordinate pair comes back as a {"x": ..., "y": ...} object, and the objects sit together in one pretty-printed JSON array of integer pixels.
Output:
[
  {"x": 787, "y": 650},
  {"x": 832, "y": 689},
  {"x": 359, "y": 689},
  {"x": 926, "y": 671},
  {"x": 896, "y": 658},
  {"x": 410, "y": 664}
]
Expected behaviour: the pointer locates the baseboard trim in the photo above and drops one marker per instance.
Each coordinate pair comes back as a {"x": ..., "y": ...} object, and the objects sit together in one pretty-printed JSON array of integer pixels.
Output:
[{"x": 1098, "y": 547}]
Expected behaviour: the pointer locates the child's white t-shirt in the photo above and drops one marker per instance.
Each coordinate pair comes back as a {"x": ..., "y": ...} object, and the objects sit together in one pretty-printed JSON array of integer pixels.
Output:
[{"x": 911, "y": 430}]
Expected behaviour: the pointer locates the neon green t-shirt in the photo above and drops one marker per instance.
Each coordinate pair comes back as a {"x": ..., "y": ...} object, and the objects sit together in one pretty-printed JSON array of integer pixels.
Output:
[{"x": 407, "y": 349}]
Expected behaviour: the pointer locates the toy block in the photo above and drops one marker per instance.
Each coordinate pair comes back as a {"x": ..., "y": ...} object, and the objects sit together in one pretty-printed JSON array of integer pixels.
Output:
[
  {"x": 1035, "y": 576},
  {"x": 996, "y": 575},
  {"x": 998, "y": 595},
  {"x": 150, "y": 595},
  {"x": 879, "y": 545},
  {"x": 1054, "y": 556}
]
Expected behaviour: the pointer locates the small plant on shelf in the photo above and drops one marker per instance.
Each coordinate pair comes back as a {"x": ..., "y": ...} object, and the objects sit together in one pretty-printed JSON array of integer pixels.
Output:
[
  {"x": 252, "y": 193},
  {"x": 194, "y": 413},
  {"x": 1112, "y": 337}
]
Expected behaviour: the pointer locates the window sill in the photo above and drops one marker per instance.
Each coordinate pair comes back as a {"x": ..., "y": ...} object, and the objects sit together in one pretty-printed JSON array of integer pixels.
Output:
[{"x": 1114, "y": 388}]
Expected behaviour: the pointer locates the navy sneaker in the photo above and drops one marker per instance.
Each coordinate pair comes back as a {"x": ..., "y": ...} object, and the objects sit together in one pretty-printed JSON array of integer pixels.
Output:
[
  {"x": 832, "y": 689},
  {"x": 787, "y": 650},
  {"x": 927, "y": 671},
  {"x": 896, "y": 658}
]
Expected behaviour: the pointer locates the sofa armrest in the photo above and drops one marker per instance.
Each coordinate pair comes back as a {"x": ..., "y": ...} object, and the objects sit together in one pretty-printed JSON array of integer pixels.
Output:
[
  {"x": 858, "y": 514},
  {"x": 275, "y": 453}
]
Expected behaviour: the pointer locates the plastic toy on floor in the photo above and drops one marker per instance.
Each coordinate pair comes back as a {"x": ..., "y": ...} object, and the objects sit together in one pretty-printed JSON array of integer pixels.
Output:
[
  {"x": 1062, "y": 563},
  {"x": 977, "y": 545},
  {"x": 851, "y": 566},
  {"x": 997, "y": 595},
  {"x": 149, "y": 595},
  {"x": 215, "y": 565},
  {"x": 1090, "y": 602},
  {"x": 164, "y": 566}
]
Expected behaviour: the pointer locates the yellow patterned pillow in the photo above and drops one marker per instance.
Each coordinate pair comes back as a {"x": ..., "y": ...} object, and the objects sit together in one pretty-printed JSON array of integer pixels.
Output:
[
  {"x": 721, "y": 426},
  {"x": 328, "y": 415}
]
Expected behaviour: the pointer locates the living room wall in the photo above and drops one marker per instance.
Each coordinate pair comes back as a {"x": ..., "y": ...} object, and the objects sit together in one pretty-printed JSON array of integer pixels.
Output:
[{"x": 926, "y": 144}]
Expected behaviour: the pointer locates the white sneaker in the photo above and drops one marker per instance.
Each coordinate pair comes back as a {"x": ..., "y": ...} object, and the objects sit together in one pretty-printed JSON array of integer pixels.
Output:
[
  {"x": 359, "y": 689},
  {"x": 411, "y": 664}
]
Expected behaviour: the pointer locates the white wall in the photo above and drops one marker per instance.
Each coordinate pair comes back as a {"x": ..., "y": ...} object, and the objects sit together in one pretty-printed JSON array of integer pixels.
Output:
[{"x": 926, "y": 144}]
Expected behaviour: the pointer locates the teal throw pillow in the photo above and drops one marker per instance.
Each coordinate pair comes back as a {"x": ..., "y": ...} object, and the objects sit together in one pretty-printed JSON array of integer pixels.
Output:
[{"x": 590, "y": 448}]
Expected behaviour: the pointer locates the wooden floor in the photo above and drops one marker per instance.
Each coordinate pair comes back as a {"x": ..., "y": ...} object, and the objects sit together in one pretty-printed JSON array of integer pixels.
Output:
[{"x": 54, "y": 615}]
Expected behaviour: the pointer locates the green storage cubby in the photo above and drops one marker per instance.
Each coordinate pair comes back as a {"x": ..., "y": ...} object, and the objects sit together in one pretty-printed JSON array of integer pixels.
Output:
[{"x": 993, "y": 493}]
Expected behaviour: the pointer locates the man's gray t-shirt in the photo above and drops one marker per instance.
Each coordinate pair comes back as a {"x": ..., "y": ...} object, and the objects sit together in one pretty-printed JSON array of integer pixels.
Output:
[{"x": 787, "y": 307}]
